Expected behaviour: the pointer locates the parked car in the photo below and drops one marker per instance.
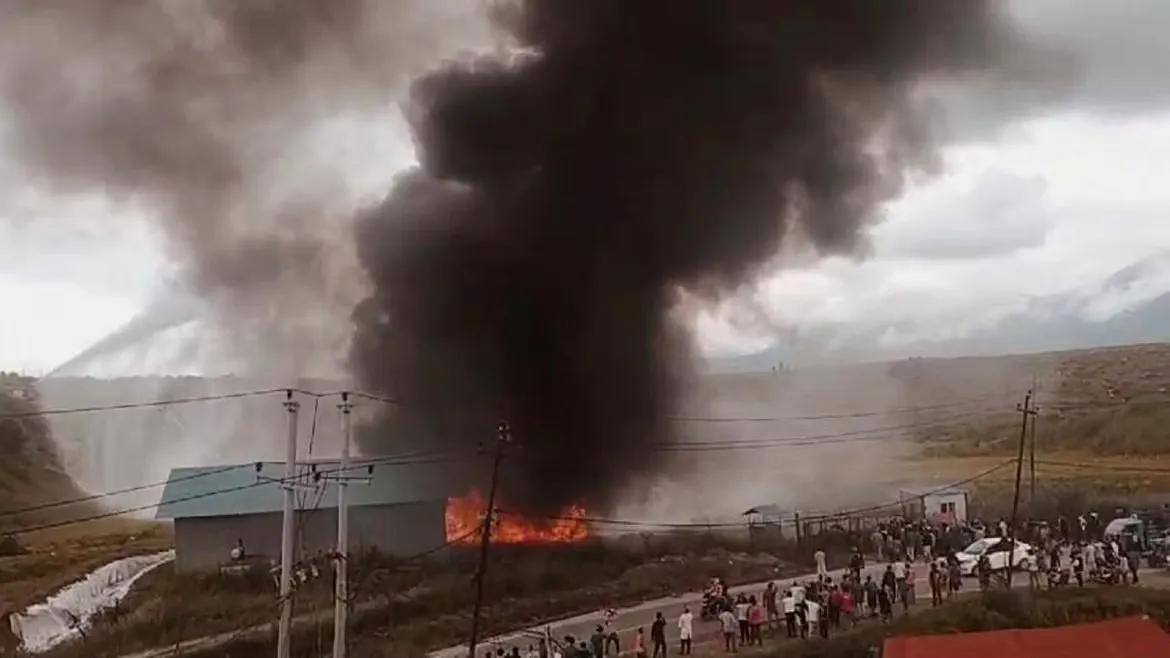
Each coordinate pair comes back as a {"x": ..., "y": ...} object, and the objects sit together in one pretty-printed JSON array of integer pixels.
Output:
[{"x": 996, "y": 549}]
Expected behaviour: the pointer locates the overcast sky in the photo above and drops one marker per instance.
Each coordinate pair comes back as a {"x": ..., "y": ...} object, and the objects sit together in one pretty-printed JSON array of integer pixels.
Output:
[{"x": 1042, "y": 203}]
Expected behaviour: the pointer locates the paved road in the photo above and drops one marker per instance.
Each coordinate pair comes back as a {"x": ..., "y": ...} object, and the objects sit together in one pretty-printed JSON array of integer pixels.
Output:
[{"x": 629, "y": 619}]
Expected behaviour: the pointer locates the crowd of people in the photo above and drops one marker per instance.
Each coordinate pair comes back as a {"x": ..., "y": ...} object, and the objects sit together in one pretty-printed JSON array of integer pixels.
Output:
[{"x": 824, "y": 605}]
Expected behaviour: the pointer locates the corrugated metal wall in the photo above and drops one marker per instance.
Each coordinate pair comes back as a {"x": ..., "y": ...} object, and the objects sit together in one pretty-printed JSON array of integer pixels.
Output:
[{"x": 205, "y": 543}]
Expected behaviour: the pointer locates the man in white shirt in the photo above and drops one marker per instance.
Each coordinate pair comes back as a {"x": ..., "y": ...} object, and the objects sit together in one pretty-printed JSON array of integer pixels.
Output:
[
  {"x": 797, "y": 591},
  {"x": 686, "y": 631},
  {"x": 822, "y": 570},
  {"x": 813, "y": 615},
  {"x": 788, "y": 605}
]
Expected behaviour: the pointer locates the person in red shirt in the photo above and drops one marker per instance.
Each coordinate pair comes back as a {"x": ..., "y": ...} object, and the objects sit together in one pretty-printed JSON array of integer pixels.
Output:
[
  {"x": 848, "y": 605},
  {"x": 835, "y": 607}
]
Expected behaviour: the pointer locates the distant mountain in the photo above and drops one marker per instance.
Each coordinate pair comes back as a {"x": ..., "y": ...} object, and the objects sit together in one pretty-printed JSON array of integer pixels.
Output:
[{"x": 1125, "y": 309}]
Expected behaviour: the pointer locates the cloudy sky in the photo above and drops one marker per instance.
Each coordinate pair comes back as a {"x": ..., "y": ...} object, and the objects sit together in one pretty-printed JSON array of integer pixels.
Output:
[{"x": 1045, "y": 196}]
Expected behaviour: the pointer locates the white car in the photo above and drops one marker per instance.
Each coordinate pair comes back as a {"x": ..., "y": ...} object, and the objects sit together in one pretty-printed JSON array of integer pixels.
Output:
[{"x": 996, "y": 550}]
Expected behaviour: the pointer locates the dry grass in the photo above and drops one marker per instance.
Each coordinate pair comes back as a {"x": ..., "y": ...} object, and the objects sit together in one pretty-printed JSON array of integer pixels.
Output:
[{"x": 401, "y": 611}]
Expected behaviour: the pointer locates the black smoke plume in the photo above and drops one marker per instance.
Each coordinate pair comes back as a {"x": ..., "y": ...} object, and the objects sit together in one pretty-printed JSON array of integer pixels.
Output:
[{"x": 624, "y": 151}]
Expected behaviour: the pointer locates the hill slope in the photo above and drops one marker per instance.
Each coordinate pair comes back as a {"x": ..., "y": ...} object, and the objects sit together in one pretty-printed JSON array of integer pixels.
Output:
[{"x": 30, "y": 466}]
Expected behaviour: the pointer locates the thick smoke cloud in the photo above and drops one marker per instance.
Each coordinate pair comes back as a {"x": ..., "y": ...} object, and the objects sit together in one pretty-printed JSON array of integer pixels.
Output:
[
  {"x": 626, "y": 151},
  {"x": 201, "y": 114}
]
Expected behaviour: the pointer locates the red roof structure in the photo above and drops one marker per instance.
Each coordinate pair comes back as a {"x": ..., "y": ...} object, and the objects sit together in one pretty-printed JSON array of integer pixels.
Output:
[{"x": 1132, "y": 637}]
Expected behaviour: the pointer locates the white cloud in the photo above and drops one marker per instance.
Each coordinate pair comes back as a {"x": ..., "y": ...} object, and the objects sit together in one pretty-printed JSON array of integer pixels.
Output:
[{"x": 1050, "y": 211}]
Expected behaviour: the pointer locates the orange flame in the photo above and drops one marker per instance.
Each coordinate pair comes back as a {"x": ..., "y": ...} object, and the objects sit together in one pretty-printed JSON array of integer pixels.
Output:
[{"x": 465, "y": 514}]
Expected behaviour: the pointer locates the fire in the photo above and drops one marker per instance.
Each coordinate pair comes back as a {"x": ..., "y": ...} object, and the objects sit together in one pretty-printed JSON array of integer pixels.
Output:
[{"x": 465, "y": 514}]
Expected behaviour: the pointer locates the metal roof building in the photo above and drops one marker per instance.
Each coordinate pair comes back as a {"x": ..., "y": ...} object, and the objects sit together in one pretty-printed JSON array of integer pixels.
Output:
[{"x": 396, "y": 509}]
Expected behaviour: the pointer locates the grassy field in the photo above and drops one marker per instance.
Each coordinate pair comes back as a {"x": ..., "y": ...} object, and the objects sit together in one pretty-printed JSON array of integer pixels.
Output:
[
  {"x": 1105, "y": 401},
  {"x": 432, "y": 601}
]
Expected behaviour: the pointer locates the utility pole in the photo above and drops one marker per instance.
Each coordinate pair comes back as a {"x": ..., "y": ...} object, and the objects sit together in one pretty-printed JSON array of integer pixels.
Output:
[
  {"x": 288, "y": 524},
  {"x": 1026, "y": 409},
  {"x": 503, "y": 436},
  {"x": 1032, "y": 460},
  {"x": 341, "y": 586}
]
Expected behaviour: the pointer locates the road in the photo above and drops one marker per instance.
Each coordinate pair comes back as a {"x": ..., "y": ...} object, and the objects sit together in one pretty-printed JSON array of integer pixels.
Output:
[
  {"x": 629, "y": 619},
  {"x": 642, "y": 615}
]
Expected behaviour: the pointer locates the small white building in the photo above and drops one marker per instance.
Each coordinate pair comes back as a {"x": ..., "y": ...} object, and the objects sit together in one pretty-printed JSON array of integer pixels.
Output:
[{"x": 948, "y": 506}]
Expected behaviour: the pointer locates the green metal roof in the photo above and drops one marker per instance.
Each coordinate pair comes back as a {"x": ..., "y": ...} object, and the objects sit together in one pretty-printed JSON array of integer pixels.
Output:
[{"x": 255, "y": 488}]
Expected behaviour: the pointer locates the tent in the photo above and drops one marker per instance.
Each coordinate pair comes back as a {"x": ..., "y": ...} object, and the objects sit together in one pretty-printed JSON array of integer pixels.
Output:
[{"x": 1132, "y": 637}]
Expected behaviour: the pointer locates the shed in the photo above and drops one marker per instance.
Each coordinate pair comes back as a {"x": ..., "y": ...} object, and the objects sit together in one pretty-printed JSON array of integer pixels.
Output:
[
  {"x": 948, "y": 506},
  {"x": 396, "y": 509}
]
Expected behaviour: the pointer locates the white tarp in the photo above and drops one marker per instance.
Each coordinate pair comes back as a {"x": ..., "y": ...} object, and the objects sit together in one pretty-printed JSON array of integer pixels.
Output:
[{"x": 45, "y": 625}]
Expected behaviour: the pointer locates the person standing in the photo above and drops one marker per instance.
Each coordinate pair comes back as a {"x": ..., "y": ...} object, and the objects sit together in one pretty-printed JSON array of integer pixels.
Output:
[
  {"x": 878, "y": 540},
  {"x": 686, "y": 631},
  {"x": 771, "y": 605},
  {"x": 756, "y": 621},
  {"x": 822, "y": 569},
  {"x": 788, "y": 604},
  {"x": 884, "y": 604},
  {"x": 856, "y": 563},
  {"x": 1033, "y": 562},
  {"x": 728, "y": 624},
  {"x": 848, "y": 607},
  {"x": 1134, "y": 558},
  {"x": 741, "y": 616},
  {"x": 640, "y": 643},
  {"x": 955, "y": 580},
  {"x": 835, "y": 607},
  {"x": 597, "y": 642},
  {"x": 871, "y": 596},
  {"x": 658, "y": 635},
  {"x": 816, "y": 621},
  {"x": 936, "y": 585}
]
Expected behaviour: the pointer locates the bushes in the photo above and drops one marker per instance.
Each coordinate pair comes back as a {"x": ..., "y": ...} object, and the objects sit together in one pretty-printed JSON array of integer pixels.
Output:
[{"x": 998, "y": 610}]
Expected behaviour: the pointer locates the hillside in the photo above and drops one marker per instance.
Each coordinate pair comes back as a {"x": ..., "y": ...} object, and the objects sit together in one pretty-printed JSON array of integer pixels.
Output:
[
  {"x": 1109, "y": 400},
  {"x": 30, "y": 468}
]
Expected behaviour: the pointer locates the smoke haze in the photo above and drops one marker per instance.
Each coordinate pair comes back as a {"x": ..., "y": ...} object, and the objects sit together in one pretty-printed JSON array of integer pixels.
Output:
[
  {"x": 623, "y": 153},
  {"x": 205, "y": 112}
]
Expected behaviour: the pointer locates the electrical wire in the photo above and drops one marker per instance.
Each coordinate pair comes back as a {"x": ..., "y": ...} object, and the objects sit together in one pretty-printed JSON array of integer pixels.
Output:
[
  {"x": 857, "y": 414},
  {"x": 189, "y": 400},
  {"x": 695, "y": 525},
  {"x": 701, "y": 446},
  {"x": 117, "y": 492},
  {"x": 388, "y": 461},
  {"x": 140, "y": 405},
  {"x": 1103, "y": 467}
]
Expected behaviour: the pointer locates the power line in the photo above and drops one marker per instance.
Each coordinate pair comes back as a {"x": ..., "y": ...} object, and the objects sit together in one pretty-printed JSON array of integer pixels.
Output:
[
  {"x": 696, "y": 525},
  {"x": 116, "y": 492},
  {"x": 700, "y": 446},
  {"x": 387, "y": 461},
  {"x": 189, "y": 400},
  {"x": 140, "y": 405},
  {"x": 858, "y": 414},
  {"x": 1103, "y": 467}
]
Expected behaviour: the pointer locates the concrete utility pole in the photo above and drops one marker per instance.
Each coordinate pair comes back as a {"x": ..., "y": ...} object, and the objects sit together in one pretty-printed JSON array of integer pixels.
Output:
[
  {"x": 341, "y": 593},
  {"x": 288, "y": 525},
  {"x": 1026, "y": 409},
  {"x": 503, "y": 436}
]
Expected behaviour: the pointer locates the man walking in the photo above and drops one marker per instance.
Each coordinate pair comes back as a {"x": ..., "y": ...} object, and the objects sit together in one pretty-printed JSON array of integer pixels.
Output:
[
  {"x": 686, "y": 631},
  {"x": 658, "y": 636},
  {"x": 822, "y": 570}
]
